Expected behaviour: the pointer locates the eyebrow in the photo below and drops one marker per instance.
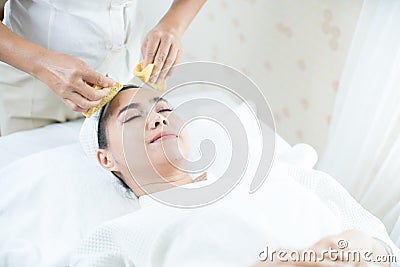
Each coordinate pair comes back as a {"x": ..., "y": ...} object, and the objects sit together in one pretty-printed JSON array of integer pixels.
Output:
[
  {"x": 135, "y": 105},
  {"x": 129, "y": 106},
  {"x": 158, "y": 99}
]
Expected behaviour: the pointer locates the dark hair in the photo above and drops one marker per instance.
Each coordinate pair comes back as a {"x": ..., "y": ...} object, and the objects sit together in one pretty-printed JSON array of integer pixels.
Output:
[
  {"x": 103, "y": 119},
  {"x": 102, "y": 128}
]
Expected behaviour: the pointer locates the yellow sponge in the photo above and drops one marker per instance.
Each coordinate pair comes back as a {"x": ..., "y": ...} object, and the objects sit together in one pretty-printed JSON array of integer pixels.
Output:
[
  {"x": 144, "y": 75},
  {"x": 113, "y": 91}
]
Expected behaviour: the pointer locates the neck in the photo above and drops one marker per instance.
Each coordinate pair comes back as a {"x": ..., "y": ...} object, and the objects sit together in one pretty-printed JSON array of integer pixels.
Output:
[{"x": 160, "y": 184}]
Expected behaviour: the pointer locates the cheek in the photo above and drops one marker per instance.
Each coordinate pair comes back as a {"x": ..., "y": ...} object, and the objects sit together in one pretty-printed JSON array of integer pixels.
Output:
[
  {"x": 115, "y": 144},
  {"x": 156, "y": 154},
  {"x": 132, "y": 143},
  {"x": 184, "y": 139},
  {"x": 184, "y": 143}
]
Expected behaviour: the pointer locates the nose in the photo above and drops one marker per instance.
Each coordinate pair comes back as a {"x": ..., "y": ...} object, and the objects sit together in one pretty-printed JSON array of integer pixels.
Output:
[{"x": 157, "y": 121}]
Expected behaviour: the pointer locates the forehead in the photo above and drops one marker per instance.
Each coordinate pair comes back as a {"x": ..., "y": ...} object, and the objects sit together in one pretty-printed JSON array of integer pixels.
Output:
[{"x": 142, "y": 96}]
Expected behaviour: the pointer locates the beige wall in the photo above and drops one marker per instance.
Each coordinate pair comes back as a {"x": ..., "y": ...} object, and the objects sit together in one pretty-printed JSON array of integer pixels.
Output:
[{"x": 294, "y": 51}]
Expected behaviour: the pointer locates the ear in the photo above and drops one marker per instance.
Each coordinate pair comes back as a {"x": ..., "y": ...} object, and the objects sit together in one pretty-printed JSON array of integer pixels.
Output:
[{"x": 106, "y": 160}]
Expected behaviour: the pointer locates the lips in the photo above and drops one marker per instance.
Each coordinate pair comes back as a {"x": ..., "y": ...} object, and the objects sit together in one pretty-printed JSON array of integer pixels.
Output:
[{"x": 161, "y": 136}]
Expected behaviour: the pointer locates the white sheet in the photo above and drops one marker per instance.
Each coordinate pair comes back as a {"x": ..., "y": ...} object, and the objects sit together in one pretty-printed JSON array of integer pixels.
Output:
[
  {"x": 295, "y": 208},
  {"x": 25, "y": 143},
  {"x": 48, "y": 202}
]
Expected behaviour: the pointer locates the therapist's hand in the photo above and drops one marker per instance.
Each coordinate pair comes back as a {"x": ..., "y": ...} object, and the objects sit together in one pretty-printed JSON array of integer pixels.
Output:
[
  {"x": 70, "y": 79},
  {"x": 162, "y": 46}
]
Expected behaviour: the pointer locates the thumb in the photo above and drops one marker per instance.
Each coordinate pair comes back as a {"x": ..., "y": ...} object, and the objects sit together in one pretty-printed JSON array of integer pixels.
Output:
[{"x": 94, "y": 77}]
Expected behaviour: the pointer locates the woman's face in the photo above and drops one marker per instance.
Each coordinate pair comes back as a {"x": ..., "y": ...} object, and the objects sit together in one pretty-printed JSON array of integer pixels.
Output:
[{"x": 144, "y": 136}]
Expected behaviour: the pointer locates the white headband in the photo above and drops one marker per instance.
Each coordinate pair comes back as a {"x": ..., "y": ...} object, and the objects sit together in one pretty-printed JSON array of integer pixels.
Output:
[
  {"x": 88, "y": 135},
  {"x": 90, "y": 144}
]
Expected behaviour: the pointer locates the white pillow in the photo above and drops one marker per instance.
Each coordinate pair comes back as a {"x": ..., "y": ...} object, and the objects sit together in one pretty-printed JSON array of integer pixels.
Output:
[
  {"x": 25, "y": 143},
  {"x": 50, "y": 200}
]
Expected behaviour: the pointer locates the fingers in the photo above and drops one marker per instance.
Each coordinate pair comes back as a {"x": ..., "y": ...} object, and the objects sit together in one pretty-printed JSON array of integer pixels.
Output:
[
  {"x": 73, "y": 106},
  {"x": 85, "y": 97},
  {"x": 177, "y": 59},
  {"x": 162, "y": 47},
  {"x": 78, "y": 103},
  {"x": 71, "y": 80},
  {"x": 82, "y": 97},
  {"x": 161, "y": 56},
  {"x": 94, "y": 77},
  {"x": 150, "y": 48},
  {"x": 90, "y": 93},
  {"x": 168, "y": 63}
]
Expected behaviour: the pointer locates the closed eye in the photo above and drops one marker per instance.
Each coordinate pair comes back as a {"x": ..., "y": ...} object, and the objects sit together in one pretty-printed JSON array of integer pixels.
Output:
[
  {"x": 131, "y": 118},
  {"x": 165, "y": 110},
  {"x": 137, "y": 116}
]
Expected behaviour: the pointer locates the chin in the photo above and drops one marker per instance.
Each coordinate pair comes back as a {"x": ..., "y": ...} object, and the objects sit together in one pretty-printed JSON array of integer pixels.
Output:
[
  {"x": 164, "y": 156},
  {"x": 161, "y": 161}
]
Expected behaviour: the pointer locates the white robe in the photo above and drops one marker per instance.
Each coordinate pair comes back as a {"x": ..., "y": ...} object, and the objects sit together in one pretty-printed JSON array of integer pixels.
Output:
[{"x": 294, "y": 209}]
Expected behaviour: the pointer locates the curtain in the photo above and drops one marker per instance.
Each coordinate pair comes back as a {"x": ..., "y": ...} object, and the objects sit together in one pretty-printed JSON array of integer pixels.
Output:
[{"x": 363, "y": 149}]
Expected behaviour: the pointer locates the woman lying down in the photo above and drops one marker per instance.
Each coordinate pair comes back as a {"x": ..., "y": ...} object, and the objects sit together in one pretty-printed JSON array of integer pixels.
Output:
[{"x": 296, "y": 211}]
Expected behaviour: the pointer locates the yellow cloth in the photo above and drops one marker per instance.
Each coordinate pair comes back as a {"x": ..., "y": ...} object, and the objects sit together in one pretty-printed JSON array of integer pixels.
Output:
[
  {"x": 113, "y": 91},
  {"x": 144, "y": 75}
]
